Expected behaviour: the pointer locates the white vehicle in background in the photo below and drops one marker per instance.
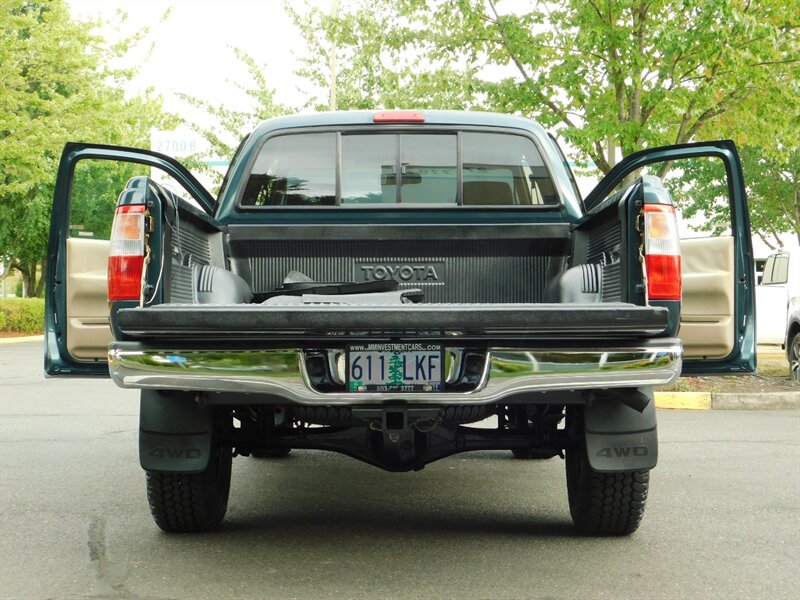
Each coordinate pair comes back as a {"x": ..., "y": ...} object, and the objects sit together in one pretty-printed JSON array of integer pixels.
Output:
[
  {"x": 792, "y": 345},
  {"x": 777, "y": 295}
]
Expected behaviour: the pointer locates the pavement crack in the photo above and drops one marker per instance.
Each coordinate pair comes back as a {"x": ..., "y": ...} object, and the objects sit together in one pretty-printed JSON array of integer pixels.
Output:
[
  {"x": 107, "y": 573},
  {"x": 97, "y": 544}
]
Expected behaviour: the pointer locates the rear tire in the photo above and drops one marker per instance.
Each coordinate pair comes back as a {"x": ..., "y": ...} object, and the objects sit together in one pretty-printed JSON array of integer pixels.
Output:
[
  {"x": 191, "y": 502},
  {"x": 604, "y": 503},
  {"x": 794, "y": 357}
]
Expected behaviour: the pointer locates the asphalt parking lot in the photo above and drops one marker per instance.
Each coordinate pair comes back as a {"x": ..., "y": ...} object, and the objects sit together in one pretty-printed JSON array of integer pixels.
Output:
[{"x": 723, "y": 517}]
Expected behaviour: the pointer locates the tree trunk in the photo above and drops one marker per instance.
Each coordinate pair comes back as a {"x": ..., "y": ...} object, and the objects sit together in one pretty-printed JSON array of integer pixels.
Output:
[
  {"x": 764, "y": 239},
  {"x": 31, "y": 286},
  {"x": 611, "y": 146},
  {"x": 28, "y": 279},
  {"x": 40, "y": 284}
]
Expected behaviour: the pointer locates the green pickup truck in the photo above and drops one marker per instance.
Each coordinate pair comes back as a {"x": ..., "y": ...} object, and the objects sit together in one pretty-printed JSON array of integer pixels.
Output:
[{"x": 377, "y": 283}]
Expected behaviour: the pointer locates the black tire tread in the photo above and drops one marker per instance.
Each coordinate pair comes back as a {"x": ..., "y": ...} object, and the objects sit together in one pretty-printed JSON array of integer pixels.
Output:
[
  {"x": 613, "y": 503},
  {"x": 190, "y": 502}
]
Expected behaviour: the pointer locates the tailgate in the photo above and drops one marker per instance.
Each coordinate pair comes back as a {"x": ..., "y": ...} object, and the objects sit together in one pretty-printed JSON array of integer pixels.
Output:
[{"x": 473, "y": 321}]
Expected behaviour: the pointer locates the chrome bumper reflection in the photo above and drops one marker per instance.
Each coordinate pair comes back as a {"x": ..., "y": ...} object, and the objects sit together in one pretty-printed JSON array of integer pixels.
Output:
[{"x": 282, "y": 373}]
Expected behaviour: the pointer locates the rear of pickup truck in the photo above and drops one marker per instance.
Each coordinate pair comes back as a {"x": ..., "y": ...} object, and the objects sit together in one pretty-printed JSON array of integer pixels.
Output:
[{"x": 376, "y": 284}]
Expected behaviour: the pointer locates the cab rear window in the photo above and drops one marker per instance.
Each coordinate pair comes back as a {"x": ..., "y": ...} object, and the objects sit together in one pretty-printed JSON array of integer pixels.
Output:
[{"x": 356, "y": 169}]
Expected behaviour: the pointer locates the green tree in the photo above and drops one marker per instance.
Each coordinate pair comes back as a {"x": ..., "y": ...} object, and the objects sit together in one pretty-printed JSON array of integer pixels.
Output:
[
  {"x": 230, "y": 125},
  {"x": 372, "y": 54},
  {"x": 610, "y": 77},
  {"x": 96, "y": 185},
  {"x": 773, "y": 188},
  {"x": 629, "y": 74},
  {"x": 396, "y": 370},
  {"x": 58, "y": 85}
]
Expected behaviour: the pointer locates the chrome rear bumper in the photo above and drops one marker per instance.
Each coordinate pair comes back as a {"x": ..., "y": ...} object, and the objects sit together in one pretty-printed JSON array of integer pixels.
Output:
[{"x": 507, "y": 372}]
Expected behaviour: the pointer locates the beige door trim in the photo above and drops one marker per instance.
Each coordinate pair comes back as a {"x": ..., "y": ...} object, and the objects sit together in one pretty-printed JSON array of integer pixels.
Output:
[
  {"x": 707, "y": 307},
  {"x": 88, "y": 330}
]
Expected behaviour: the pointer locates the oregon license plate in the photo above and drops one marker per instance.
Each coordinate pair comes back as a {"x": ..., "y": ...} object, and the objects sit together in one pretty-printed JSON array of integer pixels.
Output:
[{"x": 395, "y": 368}]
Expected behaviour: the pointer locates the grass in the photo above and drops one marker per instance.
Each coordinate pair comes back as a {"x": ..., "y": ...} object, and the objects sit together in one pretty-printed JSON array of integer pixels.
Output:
[
  {"x": 772, "y": 376},
  {"x": 772, "y": 365}
]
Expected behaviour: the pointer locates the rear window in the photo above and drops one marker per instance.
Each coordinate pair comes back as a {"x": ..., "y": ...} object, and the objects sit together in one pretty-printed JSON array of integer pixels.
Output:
[
  {"x": 355, "y": 169},
  {"x": 294, "y": 170}
]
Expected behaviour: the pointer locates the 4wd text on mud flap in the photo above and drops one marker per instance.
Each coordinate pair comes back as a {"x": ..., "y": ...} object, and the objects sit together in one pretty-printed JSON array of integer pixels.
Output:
[
  {"x": 622, "y": 451},
  {"x": 175, "y": 452}
]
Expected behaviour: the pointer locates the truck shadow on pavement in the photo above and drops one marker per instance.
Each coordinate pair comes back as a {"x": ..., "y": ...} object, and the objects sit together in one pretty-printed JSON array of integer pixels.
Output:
[{"x": 477, "y": 494}]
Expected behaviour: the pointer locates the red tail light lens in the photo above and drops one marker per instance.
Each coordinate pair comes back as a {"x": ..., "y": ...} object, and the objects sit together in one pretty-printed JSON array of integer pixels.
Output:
[
  {"x": 398, "y": 116},
  {"x": 662, "y": 252},
  {"x": 126, "y": 256}
]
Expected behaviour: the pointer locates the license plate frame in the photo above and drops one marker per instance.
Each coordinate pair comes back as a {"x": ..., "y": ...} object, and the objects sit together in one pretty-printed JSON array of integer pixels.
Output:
[{"x": 395, "y": 367}]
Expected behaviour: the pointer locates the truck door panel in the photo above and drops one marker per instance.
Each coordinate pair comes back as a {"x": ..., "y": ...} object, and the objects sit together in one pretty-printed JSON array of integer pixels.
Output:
[
  {"x": 89, "y": 181},
  {"x": 88, "y": 330},
  {"x": 707, "y": 307},
  {"x": 717, "y": 320}
]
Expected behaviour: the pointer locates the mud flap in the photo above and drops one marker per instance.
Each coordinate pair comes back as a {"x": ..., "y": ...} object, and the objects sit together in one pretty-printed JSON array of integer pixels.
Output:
[
  {"x": 174, "y": 432},
  {"x": 620, "y": 438}
]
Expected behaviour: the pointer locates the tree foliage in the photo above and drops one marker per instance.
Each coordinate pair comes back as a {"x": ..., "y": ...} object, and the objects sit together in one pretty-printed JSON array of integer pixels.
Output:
[
  {"x": 617, "y": 74},
  {"x": 58, "y": 85},
  {"x": 225, "y": 134},
  {"x": 373, "y": 54},
  {"x": 773, "y": 189},
  {"x": 773, "y": 184},
  {"x": 96, "y": 185}
]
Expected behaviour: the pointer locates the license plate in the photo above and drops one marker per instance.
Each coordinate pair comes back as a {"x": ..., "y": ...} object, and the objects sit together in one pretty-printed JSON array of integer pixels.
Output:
[{"x": 395, "y": 368}]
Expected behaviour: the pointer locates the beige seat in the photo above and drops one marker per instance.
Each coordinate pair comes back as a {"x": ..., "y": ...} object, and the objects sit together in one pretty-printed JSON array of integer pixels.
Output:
[{"x": 487, "y": 193}]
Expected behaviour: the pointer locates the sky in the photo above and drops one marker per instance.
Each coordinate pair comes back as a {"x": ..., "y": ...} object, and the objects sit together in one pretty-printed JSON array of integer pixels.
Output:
[{"x": 192, "y": 52}]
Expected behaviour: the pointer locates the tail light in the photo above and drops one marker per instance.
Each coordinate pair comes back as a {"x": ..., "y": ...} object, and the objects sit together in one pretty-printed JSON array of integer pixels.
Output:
[
  {"x": 126, "y": 257},
  {"x": 662, "y": 252},
  {"x": 398, "y": 116}
]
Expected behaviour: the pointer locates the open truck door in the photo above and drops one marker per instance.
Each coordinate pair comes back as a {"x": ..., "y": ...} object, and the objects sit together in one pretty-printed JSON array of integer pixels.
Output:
[
  {"x": 713, "y": 309},
  {"x": 90, "y": 180}
]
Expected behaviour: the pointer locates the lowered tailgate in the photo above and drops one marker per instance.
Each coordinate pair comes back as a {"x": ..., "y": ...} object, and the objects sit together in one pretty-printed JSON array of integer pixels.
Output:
[{"x": 473, "y": 321}]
